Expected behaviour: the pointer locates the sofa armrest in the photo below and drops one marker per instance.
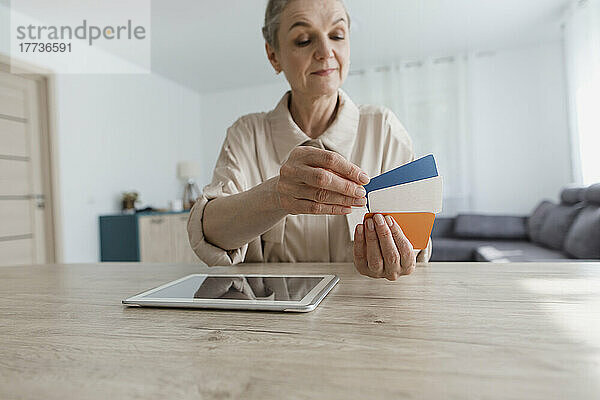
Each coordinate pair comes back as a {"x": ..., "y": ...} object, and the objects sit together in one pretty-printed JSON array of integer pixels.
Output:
[{"x": 443, "y": 227}]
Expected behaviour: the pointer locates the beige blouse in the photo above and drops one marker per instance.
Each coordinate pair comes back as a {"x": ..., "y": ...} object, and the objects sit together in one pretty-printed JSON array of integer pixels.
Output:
[{"x": 258, "y": 144}]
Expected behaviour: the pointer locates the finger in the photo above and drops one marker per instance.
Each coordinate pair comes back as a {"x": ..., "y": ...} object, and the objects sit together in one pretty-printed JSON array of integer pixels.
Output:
[
  {"x": 359, "y": 244},
  {"x": 404, "y": 246},
  {"x": 336, "y": 163},
  {"x": 374, "y": 257},
  {"x": 360, "y": 252},
  {"x": 392, "y": 262},
  {"x": 325, "y": 196},
  {"x": 322, "y": 178},
  {"x": 300, "y": 206}
]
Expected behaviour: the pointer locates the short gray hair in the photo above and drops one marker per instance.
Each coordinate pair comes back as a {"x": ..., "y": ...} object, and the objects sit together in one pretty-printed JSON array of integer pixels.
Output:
[{"x": 272, "y": 20}]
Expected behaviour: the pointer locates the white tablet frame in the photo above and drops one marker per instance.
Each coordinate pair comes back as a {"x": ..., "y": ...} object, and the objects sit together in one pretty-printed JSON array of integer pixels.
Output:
[{"x": 308, "y": 302}]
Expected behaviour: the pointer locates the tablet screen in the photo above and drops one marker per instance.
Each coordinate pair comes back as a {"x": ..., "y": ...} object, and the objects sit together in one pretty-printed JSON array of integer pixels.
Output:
[{"x": 238, "y": 287}]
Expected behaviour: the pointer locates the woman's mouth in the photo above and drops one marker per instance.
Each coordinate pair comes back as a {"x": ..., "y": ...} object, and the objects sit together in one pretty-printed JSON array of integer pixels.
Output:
[{"x": 324, "y": 72}]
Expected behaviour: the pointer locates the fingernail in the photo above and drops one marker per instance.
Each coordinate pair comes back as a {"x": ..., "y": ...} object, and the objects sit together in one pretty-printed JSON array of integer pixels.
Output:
[
  {"x": 360, "y": 192},
  {"x": 364, "y": 178},
  {"x": 359, "y": 229},
  {"x": 379, "y": 219},
  {"x": 389, "y": 220},
  {"x": 370, "y": 225},
  {"x": 360, "y": 202}
]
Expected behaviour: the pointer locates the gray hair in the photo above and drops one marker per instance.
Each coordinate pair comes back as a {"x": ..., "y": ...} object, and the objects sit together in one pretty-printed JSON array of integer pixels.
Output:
[{"x": 272, "y": 19}]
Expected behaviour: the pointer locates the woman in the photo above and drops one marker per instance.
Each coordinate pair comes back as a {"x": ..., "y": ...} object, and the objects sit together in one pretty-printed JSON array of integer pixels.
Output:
[{"x": 288, "y": 183}]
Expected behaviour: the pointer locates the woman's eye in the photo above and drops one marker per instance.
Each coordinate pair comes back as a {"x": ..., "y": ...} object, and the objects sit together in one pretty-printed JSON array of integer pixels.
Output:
[{"x": 303, "y": 43}]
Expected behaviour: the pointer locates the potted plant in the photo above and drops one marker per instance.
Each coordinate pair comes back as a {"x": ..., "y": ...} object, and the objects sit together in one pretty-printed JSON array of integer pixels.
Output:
[{"x": 128, "y": 200}]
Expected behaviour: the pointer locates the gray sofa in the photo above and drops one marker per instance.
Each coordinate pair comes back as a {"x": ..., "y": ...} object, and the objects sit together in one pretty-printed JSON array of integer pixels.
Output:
[{"x": 553, "y": 232}]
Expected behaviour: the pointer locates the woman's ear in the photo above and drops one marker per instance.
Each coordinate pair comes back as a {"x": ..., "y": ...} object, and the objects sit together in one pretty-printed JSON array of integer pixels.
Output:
[{"x": 272, "y": 56}]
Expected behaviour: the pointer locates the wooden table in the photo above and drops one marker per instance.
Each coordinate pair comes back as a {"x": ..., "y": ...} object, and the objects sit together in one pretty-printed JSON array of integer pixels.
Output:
[{"x": 449, "y": 331}]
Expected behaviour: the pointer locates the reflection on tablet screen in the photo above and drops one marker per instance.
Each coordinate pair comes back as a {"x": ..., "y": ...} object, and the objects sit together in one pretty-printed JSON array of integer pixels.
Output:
[{"x": 238, "y": 287}]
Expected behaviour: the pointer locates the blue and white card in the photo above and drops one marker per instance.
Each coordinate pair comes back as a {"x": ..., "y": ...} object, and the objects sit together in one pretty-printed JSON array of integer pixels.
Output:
[
  {"x": 423, "y": 168},
  {"x": 424, "y": 195}
]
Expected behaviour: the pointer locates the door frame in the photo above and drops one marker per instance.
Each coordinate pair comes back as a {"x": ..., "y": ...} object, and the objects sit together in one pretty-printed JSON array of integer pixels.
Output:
[{"x": 45, "y": 82}]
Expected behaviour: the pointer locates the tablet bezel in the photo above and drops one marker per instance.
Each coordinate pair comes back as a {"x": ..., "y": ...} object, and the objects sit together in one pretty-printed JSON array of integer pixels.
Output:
[{"x": 308, "y": 302}]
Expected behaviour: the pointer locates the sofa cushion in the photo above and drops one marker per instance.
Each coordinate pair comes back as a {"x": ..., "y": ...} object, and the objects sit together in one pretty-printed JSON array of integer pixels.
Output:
[
  {"x": 473, "y": 226},
  {"x": 583, "y": 240},
  {"x": 447, "y": 249},
  {"x": 572, "y": 195},
  {"x": 523, "y": 252},
  {"x": 592, "y": 194},
  {"x": 536, "y": 220},
  {"x": 557, "y": 223}
]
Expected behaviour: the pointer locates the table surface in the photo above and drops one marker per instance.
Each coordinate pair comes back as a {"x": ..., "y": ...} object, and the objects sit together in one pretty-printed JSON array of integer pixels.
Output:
[{"x": 448, "y": 331}]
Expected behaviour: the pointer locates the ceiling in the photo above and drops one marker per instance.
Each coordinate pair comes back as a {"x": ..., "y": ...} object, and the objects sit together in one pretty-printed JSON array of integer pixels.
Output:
[
  {"x": 215, "y": 45},
  {"x": 210, "y": 45}
]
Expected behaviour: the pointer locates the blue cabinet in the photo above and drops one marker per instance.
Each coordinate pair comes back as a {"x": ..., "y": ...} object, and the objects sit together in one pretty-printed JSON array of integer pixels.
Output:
[{"x": 146, "y": 237}]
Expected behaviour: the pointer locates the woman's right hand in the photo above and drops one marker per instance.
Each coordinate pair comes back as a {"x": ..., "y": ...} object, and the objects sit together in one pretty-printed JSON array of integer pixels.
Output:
[{"x": 316, "y": 181}]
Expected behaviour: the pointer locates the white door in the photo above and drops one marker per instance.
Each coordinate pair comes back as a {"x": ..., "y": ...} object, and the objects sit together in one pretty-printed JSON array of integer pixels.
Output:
[{"x": 25, "y": 237}]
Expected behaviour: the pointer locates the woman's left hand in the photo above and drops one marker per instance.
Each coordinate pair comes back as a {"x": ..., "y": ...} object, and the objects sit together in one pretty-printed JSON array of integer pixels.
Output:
[{"x": 381, "y": 250}]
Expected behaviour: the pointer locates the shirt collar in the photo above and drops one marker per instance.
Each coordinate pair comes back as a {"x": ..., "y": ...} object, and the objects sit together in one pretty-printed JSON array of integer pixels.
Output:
[{"x": 339, "y": 137}]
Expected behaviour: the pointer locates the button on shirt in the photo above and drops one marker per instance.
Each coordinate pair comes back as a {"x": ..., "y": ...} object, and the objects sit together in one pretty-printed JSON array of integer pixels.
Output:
[{"x": 256, "y": 146}]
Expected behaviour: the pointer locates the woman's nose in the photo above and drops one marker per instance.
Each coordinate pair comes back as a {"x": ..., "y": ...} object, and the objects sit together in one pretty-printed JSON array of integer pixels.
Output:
[{"x": 324, "y": 50}]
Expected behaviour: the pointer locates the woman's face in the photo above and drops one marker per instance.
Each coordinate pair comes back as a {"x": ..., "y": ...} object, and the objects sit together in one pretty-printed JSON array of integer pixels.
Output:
[{"x": 314, "y": 46}]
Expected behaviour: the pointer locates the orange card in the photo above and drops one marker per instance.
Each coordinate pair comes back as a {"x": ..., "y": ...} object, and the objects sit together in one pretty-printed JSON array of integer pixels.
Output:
[{"x": 416, "y": 226}]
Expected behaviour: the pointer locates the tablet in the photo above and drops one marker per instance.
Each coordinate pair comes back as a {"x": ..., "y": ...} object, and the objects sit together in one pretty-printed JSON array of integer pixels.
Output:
[{"x": 299, "y": 293}]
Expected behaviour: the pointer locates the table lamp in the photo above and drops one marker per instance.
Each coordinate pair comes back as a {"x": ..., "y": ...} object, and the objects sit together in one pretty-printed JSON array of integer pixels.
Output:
[{"x": 187, "y": 171}]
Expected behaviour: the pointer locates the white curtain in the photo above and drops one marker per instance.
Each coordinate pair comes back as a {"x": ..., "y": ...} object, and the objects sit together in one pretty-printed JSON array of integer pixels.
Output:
[
  {"x": 582, "y": 51},
  {"x": 429, "y": 98}
]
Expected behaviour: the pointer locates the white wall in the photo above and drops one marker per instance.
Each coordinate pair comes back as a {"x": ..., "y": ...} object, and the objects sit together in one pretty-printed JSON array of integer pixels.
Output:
[
  {"x": 517, "y": 118},
  {"x": 219, "y": 110},
  {"x": 519, "y": 128},
  {"x": 118, "y": 133},
  {"x": 4, "y": 28}
]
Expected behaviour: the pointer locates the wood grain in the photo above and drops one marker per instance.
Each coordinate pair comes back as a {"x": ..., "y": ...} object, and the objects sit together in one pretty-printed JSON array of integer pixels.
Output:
[
  {"x": 16, "y": 217},
  {"x": 14, "y": 178},
  {"x": 155, "y": 239},
  {"x": 448, "y": 331},
  {"x": 12, "y": 98},
  {"x": 23, "y": 111},
  {"x": 16, "y": 251},
  {"x": 13, "y": 138},
  {"x": 180, "y": 242}
]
